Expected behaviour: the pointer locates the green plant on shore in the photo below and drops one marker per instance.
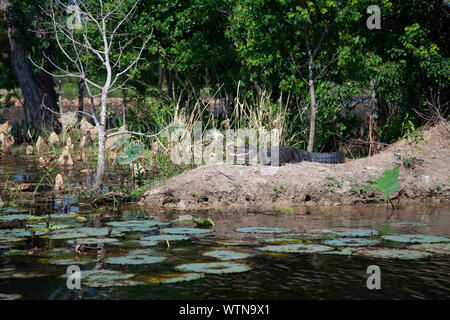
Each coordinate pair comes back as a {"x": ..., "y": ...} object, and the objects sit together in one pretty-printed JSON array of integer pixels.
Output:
[{"x": 387, "y": 184}]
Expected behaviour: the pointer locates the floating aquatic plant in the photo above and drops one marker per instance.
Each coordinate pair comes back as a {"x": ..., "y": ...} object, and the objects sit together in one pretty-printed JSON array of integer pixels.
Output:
[
  {"x": 93, "y": 240},
  {"x": 204, "y": 222},
  {"x": 10, "y": 217},
  {"x": 169, "y": 237},
  {"x": 226, "y": 255},
  {"x": 395, "y": 254},
  {"x": 185, "y": 230},
  {"x": 170, "y": 277},
  {"x": 344, "y": 251},
  {"x": 283, "y": 240},
  {"x": 297, "y": 248},
  {"x": 214, "y": 267},
  {"x": 415, "y": 238},
  {"x": 10, "y": 210},
  {"x": 438, "y": 248},
  {"x": 262, "y": 230},
  {"x": 350, "y": 233},
  {"x": 136, "y": 257},
  {"x": 352, "y": 242},
  {"x": 94, "y": 232},
  {"x": 67, "y": 235},
  {"x": 107, "y": 278},
  {"x": 10, "y": 296}
]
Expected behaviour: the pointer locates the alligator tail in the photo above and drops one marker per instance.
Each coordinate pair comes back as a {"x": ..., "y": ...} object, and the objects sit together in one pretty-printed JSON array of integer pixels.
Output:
[{"x": 332, "y": 157}]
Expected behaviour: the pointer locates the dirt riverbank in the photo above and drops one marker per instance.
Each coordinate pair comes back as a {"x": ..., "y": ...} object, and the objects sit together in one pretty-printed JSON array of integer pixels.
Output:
[{"x": 221, "y": 186}]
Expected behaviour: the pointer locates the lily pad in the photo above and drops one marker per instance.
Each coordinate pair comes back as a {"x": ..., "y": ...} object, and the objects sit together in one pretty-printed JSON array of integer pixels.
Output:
[
  {"x": 9, "y": 210},
  {"x": 14, "y": 274},
  {"x": 106, "y": 278},
  {"x": 262, "y": 230},
  {"x": 226, "y": 255},
  {"x": 169, "y": 237},
  {"x": 204, "y": 222},
  {"x": 67, "y": 235},
  {"x": 10, "y": 217},
  {"x": 78, "y": 260},
  {"x": 297, "y": 248},
  {"x": 351, "y": 233},
  {"x": 395, "y": 254},
  {"x": 352, "y": 242},
  {"x": 344, "y": 251},
  {"x": 170, "y": 277},
  {"x": 283, "y": 240},
  {"x": 94, "y": 240},
  {"x": 438, "y": 248},
  {"x": 185, "y": 231},
  {"x": 136, "y": 257},
  {"x": 184, "y": 218},
  {"x": 94, "y": 232},
  {"x": 214, "y": 267},
  {"x": 10, "y": 296},
  {"x": 415, "y": 238}
]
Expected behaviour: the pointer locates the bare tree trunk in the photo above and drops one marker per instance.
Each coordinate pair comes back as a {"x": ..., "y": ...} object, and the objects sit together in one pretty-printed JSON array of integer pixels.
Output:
[
  {"x": 312, "y": 95},
  {"x": 98, "y": 183},
  {"x": 80, "y": 99}
]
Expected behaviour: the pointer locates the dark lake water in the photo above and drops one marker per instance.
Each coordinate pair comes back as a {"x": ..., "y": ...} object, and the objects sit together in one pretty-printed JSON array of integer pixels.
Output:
[{"x": 319, "y": 253}]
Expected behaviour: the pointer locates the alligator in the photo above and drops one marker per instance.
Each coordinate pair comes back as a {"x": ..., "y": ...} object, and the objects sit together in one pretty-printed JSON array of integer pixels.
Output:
[{"x": 249, "y": 154}]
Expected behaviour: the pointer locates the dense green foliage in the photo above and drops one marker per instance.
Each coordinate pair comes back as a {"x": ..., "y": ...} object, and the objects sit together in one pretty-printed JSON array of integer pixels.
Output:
[{"x": 249, "y": 49}]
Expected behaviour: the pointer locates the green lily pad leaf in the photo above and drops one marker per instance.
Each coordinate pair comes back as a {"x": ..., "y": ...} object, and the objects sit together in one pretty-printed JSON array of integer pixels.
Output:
[
  {"x": 9, "y": 210},
  {"x": 305, "y": 235},
  {"x": 170, "y": 277},
  {"x": 10, "y": 296},
  {"x": 185, "y": 231},
  {"x": 283, "y": 240},
  {"x": 395, "y": 254},
  {"x": 130, "y": 153},
  {"x": 136, "y": 257},
  {"x": 78, "y": 260},
  {"x": 66, "y": 235},
  {"x": 137, "y": 225},
  {"x": 344, "y": 251},
  {"x": 438, "y": 248},
  {"x": 169, "y": 237},
  {"x": 214, "y": 267},
  {"x": 113, "y": 283},
  {"x": 10, "y": 217},
  {"x": 226, "y": 255},
  {"x": 262, "y": 230},
  {"x": 14, "y": 274},
  {"x": 413, "y": 224},
  {"x": 297, "y": 248},
  {"x": 15, "y": 252},
  {"x": 94, "y": 240},
  {"x": 145, "y": 243},
  {"x": 350, "y": 233},
  {"x": 352, "y": 242},
  {"x": 415, "y": 238},
  {"x": 184, "y": 218},
  {"x": 94, "y": 232},
  {"x": 106, "y": 278},
  {"x": 204, "y": 222}
]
